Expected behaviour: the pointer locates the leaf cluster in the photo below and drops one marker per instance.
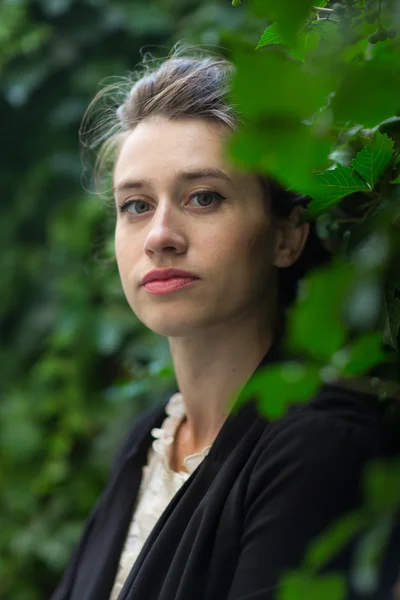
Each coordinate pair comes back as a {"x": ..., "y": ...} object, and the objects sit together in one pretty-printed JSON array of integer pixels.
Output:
[{"x": 321, "y": 102}]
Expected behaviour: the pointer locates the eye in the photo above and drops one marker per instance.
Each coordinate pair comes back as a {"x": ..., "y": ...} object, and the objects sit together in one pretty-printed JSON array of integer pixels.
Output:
[
  {"x": 208, "y": 195},
  {"x": 138, "y": 203}
]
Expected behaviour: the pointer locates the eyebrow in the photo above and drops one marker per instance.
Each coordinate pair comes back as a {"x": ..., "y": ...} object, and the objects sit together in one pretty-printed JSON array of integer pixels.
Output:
[{"x": 129, "y": 184}]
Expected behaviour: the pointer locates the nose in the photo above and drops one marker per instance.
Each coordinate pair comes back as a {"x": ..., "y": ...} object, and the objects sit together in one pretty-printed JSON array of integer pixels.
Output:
[{"x": 165, "y": 232}]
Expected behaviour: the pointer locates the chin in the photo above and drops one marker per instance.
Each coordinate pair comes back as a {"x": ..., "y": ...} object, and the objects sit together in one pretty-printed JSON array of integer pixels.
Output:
[
  {"x": 172, "y": 329},
  {"x": 174, "y": 324}
]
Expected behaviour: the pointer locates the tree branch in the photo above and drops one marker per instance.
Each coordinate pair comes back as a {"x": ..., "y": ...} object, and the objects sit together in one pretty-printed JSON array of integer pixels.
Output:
[{"x": 328, "y": 10}]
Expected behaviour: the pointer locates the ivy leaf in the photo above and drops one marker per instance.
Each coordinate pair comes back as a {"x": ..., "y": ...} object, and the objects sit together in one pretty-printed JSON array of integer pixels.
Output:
[
  {"x": 280, "y": 385},
  {"x": 288, "y": 19},
  {"x": 325, "y": 546},
  {"x": 276, "y": 82},
  {"x": 372, "y": 160},
  {"x": 365, "y": 353},
  {"x": 315, "y": 323},
  {"x": 300, "y": 584},
  {"x": 381, "y": 484},
  {"x": 332, "y": 186},
  {"x": 368, "y": 94},
  {"x": 282, "y": 148},
  {"x": 276, "y": 140},
  {"x": 270, "y": 36},
  {"x": 307, "y": 39}
]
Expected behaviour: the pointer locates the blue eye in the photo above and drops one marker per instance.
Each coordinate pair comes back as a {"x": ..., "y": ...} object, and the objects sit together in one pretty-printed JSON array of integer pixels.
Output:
[
  {"x": 123, "y": 207},
  {"x": 212, "y": 195}
]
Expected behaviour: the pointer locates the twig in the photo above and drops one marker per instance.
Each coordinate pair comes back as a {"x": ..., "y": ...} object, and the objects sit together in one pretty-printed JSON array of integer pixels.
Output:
[
  {"x": 328, "y": 10},
  {"x": 367, "y": 204},
  {"x": 328, "y": 20},
  {"x": 356, "y": 219}
]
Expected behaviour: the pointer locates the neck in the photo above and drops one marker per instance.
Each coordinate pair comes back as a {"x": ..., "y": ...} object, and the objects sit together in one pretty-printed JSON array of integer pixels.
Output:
[{"x": 211, "y": 370}]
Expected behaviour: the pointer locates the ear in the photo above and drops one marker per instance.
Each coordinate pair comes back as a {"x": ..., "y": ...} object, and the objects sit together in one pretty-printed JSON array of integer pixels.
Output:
[{"x": 290, "y": 238}]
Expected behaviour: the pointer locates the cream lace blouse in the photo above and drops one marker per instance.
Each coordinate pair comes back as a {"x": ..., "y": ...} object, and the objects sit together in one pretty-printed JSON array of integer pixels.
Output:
[{"x": 158, "y": 486}]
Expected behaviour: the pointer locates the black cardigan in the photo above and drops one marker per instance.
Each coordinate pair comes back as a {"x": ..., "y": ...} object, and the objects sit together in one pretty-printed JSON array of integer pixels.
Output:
[{"x": 245, "y": 514}]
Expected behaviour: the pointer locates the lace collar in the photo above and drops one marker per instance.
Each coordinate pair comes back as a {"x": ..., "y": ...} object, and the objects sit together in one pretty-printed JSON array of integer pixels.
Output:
[{"x": 164, "y": 436}]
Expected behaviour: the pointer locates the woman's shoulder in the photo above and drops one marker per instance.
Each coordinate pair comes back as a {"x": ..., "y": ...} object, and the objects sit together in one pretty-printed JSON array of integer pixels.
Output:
[
  {"x": 338, "y": 423},
  {"x": 324, "y": 444},
  {"x": 342, "y": 408}
]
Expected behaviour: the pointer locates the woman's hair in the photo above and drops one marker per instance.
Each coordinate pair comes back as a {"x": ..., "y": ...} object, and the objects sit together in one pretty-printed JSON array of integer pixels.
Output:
[{"x": 189, "y": 83}]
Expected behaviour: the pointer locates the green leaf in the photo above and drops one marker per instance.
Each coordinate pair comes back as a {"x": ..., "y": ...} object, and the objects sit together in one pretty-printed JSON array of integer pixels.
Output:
[
  {"x": 325, "y": 546},
  {"x": 284, "y": 149},
  {"x": 270, "y": 36},
  {"x": 333, "y": 185},
  {"x": 280, "y": 385},
  {"x": 275, "y": 81},
  {"x": 365, "y": 353},
  {"x": 368, "y": 94},
  {"x": 307, "y": 39},
  {"x": 371, "y": 162},
  {"x": 288, "y": 16},
  {"x": 396, "y": 181},
  {"x": 381, "y": 484},
  {"x": 300, "y": 585},
  {"x": 315, "y": 324}
]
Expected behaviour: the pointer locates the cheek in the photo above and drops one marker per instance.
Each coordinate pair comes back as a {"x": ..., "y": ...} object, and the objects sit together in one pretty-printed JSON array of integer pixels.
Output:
[
  {"x": 254, "y": 256},
  {"x": 125, "y": 251},
  {"x": 242, "y": 254},
  {"x": 252, "y": 244},
  {"x": 120, "y": 250}
]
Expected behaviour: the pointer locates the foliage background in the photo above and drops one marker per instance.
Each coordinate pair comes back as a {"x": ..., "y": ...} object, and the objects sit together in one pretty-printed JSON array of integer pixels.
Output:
[{"x": 75, "y": 364}]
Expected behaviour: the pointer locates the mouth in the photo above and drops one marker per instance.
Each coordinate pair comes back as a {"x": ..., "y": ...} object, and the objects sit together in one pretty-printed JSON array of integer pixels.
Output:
[{"x": 166, "y": 286}]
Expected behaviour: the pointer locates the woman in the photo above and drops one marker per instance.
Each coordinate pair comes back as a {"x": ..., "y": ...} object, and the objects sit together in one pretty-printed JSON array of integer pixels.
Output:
[{"x": 202, "y": 504}]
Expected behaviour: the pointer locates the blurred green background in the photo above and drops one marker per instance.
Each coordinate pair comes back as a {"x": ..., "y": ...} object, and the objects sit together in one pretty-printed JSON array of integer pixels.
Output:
[{"x": 75, "y": 366}]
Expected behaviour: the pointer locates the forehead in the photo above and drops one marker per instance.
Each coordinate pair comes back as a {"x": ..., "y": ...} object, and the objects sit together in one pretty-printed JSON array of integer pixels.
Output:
[{"x": 160, "y": 147}]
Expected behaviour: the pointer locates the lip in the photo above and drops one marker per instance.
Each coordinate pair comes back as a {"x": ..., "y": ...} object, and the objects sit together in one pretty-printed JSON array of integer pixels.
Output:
[
  {"x": 162, "y": 274},
  {"x": 167, "y": 286}
]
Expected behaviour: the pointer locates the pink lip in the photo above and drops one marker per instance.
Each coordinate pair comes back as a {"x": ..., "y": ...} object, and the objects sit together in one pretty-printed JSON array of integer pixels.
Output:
[
  {"x": 166, "y": 286},
  {"x": 170, "y": 273}
]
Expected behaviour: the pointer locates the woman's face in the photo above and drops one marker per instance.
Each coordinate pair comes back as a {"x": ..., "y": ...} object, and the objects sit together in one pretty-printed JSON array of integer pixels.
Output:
[{"x": 213, "y": 224}]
